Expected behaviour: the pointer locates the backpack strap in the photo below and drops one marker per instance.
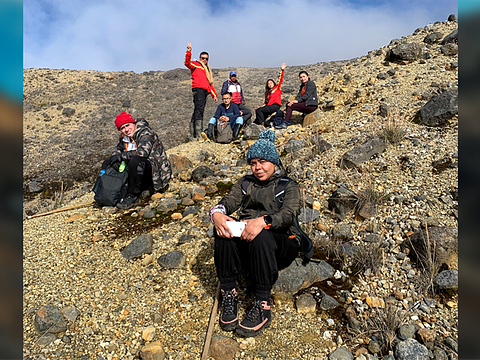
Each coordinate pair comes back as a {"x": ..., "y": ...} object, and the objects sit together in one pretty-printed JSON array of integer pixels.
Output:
[
  {"x": 246, "y": 183},
  {"x": 280, "y": 190}
]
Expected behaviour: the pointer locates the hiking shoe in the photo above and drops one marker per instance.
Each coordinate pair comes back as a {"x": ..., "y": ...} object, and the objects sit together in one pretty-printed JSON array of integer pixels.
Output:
[
  {"x": 127, "y": 202},
  {"x": 258, "y": 318},
  {"x": 229, "y": 313}
]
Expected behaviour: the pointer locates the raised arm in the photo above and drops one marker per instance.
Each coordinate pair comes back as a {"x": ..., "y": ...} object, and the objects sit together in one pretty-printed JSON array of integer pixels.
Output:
[{"x": 188, "y": 57}]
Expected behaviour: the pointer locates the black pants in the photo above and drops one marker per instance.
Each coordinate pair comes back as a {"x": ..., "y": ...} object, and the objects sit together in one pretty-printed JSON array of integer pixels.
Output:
[
  {"x": 269, "y": 252},
  {"x": 264, "y": 112},
  {"x": 139, "y": 174},
  {"x": 199, "y": 101},
  {"x": 246, "y": 114}
]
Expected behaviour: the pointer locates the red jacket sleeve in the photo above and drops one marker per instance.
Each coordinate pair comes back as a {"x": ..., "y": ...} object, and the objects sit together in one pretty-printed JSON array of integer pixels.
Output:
[
  {"x": 188, "y": 60},
  {"x": 212, "y": 91},
  {"x": 280, "y": 79}
]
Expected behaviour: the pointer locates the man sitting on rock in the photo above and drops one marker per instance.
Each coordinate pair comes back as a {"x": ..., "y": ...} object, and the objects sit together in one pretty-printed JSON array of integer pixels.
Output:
[
  {"x": 232, "y": 85},
  {"x": 227, "y": 111},
  {"x": 146, "y": 160}
]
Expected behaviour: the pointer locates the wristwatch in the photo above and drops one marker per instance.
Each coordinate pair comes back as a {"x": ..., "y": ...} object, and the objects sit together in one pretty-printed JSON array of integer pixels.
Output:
[{"x": 268, "y": 221}]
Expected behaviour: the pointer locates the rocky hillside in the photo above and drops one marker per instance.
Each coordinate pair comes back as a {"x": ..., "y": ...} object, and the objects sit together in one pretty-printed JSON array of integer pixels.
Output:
[{"x": 378, "y": 169}]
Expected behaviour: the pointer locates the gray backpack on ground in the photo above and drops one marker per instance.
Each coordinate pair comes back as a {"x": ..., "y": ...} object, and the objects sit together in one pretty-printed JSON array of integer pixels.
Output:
[{"x": 224, "y": 133}]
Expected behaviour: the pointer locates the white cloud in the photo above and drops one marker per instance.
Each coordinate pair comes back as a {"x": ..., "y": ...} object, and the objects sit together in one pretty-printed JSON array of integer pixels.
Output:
[{"x": 147, "y": 35}]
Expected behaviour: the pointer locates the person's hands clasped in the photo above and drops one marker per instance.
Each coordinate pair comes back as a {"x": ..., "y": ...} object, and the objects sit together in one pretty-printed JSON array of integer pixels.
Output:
[
  {"x": 220, "y": 222},
  {"x": 253, "y": 228}
]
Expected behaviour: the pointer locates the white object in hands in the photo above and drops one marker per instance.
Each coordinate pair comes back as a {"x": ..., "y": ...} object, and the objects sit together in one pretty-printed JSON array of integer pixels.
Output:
[{"x": 236, "y": 227}]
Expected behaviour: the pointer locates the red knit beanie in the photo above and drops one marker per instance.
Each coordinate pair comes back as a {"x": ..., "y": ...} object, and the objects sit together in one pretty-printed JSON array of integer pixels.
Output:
[{"x": 123, "y": 118}]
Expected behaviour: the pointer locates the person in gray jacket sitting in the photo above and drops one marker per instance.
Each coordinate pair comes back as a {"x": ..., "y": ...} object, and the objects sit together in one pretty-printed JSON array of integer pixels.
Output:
[{"x": 306, "y": 100}]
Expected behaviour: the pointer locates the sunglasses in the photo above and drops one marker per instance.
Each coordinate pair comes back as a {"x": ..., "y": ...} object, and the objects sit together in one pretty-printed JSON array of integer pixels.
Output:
[{"x": 204, "y": 58}]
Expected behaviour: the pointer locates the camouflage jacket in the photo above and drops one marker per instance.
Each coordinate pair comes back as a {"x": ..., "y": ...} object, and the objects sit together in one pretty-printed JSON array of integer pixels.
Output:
[
  {"x": 148, "y": 146},
  {"x": 260, "y": 200}
]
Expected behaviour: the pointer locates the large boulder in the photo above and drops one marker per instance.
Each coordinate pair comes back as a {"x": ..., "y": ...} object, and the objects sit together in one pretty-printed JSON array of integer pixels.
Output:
[
  {"x": 138, "y": 246},
  {"x": 362, "y": 153},
  {"x": 312, "y": 118},
  {"x": 342, "y": 201},
  {"x": 442, "y": 242},
  {"x": 439, "y": 109},
  {"x": 411, "y": 349},
  {"x": 450, "y": 38},
  {"x": 404, "y": 52},
  {"x": 297, "y": 277},
  {"x": 48, "y": 319},
  {"x": 179, "y": 164}
]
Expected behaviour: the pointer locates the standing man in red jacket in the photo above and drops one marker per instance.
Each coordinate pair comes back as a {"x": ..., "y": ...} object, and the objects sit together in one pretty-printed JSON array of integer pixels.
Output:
[{"x": 202, "y": 85}]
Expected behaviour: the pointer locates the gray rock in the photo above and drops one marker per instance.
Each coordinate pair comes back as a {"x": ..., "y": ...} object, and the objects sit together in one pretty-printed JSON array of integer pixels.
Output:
[
  {"x": 411, "y": 349},
  {"x": 149, "y": 214},
  {"x": 322, "y": 145},
  {"x": 383, "y": 110},
  {"x": 46, "y": 339},
  {"x": 34, "y": 186},
  {"x": 308, "y": 215},
  {"x": 49, "y": 319},
  {"x": 406, "y": 332},
  {"x": 179, "y": 164},
  {"x": 68, "y": 111},
  {"x": 201, "y": 173},
  {"x": 252, "y": 131},
  {"x": 185, "y": 238},
  {"x": 362, "y": 153},
  {"x": 167, "y": 205},
  {"x": 70, "y": 313},
  {"x": 328, "y": 303},
  {"x": 297, "y": 277},
  {"x": 172, "y": 260},
  {"x": 373, "y": 238},
  {"x": 438, "y": 110},
  {"x": 342, "y": 231},
  {"x": 223, "y": 347},
  {"x": 449, "y": 49},
  {"x": 126, "y": 103},
  {"x": 374, "y": 347},
  {"x": 190, "y": 210},
  {"x": 342, "y": 353},
  {"x": 355, "y": 324},
  {"x": 342, "y": 201},
  {"x": 451, "y": 343},
  {"x": 450, "y": 38},
  {"x": 433, "y": 38},
  {"x": 447, "y": 280},
  {"x": 388, "y": 357},
  {"x": 443, "y": 239},
  {"x": 404, "y": 52},
  {"x": 306, "y": 304},
  {"x": 439, "y": 354},
  {"x": 293, "y": 146},
  {"x": 137, "y": 247},
  {"x": 198, "y": 189},
  {"x": 382, "y": 76}
]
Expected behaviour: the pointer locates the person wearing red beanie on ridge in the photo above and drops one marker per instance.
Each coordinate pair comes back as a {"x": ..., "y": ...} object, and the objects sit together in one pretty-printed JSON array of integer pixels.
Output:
[{"x": 143, "y": 152}]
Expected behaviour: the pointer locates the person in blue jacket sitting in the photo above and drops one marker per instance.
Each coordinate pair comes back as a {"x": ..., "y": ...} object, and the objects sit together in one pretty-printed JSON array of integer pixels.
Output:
[{"x": 227, "y": 111}]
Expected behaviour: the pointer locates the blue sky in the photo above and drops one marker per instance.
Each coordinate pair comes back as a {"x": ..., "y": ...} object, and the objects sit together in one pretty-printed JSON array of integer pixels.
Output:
[{"x": 113, "y": 35}]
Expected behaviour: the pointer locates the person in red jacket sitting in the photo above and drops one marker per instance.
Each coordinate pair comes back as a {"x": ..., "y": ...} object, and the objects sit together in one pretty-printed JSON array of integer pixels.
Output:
[
  {"x": 202, "y": 85},
  {"x": 273, "y": 98}
]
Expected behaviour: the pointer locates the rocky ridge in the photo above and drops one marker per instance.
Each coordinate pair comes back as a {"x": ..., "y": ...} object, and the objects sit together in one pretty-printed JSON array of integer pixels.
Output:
[{"x": 113, "y": 303}]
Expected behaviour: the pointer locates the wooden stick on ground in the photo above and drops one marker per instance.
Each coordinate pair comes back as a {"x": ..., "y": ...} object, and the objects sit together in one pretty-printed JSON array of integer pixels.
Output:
[
  {"x": 213, "y": 316},
  {"x": 60, "y": 210}
]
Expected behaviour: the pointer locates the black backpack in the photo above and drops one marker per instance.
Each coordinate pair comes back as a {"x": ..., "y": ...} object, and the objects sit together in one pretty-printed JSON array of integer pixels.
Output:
[
  {"x": 111, "y": 186},
  {"x": 306, "y": 244},
  {"x": 278, "y": 118}
]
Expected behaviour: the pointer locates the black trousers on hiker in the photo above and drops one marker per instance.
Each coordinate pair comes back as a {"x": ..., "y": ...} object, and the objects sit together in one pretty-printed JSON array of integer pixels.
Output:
[
  {"x": 265, "y": 111},
  {"x": 139, "y": 174},
  {"x": 199, "y": 101},
  {"x": 262, "y": 257}
]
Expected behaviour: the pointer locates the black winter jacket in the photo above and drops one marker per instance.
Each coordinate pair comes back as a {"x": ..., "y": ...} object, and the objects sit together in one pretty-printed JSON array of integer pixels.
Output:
[
  {"x": 310, "y": 98},
  {"x": 260, "y": 200}
]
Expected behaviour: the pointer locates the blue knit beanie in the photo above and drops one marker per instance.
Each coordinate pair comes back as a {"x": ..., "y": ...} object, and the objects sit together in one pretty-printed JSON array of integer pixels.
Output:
[{"x": 264, "y": 148}]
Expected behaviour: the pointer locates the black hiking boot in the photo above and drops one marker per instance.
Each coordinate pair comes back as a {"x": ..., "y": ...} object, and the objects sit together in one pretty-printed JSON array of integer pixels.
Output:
[
  {"x": 210, "y": 131},
  {"x": 236, "y": 130},
  {"x": 229, "y": 314},
  {"x": 127, "y": 202},
  {"x": 258, "y": 318}
]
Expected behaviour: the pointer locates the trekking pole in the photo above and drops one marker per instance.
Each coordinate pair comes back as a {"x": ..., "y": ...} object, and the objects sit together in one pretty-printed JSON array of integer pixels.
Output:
[
  {"x": 60, "y": 210},
  {"x": 213, "y": 315}
]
